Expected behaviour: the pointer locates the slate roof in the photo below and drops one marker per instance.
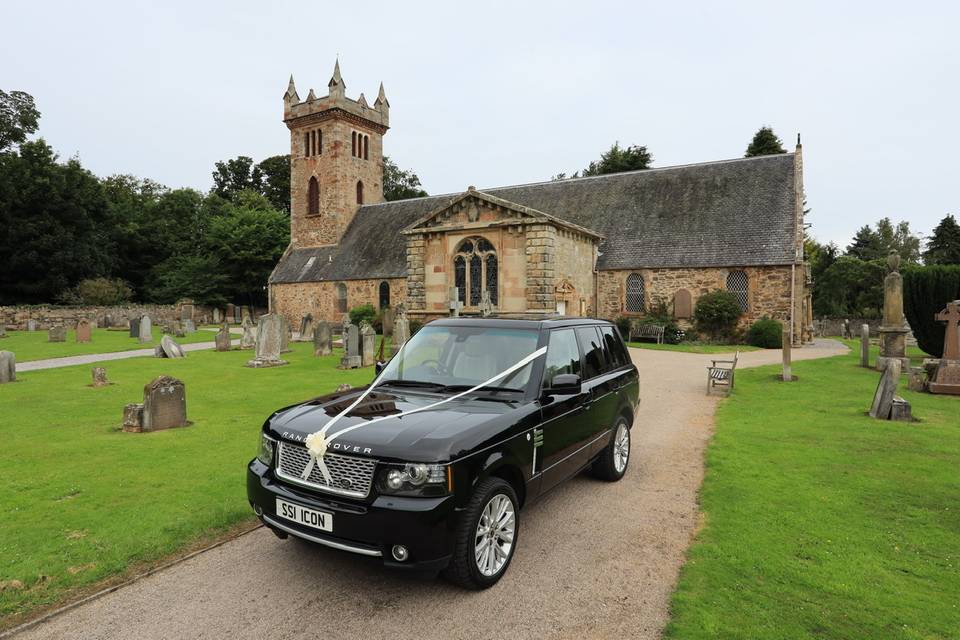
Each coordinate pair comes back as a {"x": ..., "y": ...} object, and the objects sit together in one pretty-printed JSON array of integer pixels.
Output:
[{"x": 728, "y": 213}]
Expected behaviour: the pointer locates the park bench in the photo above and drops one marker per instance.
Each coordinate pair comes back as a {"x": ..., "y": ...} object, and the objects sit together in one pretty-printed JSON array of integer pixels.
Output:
[
  {"x": 647, "y": 332},
  {"x": 721, "y": 373}
]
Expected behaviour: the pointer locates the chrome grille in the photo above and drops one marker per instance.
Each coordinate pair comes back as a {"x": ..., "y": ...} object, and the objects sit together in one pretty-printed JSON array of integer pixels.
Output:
[{"x": 350, "y": 476}]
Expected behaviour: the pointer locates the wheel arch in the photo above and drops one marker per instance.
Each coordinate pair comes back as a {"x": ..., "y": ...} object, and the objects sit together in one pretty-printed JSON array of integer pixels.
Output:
[{"x": 499, "y": 465}]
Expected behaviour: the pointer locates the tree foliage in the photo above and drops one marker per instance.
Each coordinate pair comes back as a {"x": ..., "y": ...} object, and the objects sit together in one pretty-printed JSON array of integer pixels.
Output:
[
  {"x": 399, "y": 184},
  {"x": 765, "y": 333},
  {"x": 98, "y": 291},
  {"x": 19, "y": 118},
  {"x": 944, "y": 245},
  {"x": 270, "y": 178},
  {"x": 765, "y": 143},
  {"x": 850, "y": 286},
  {"x": 875, "y": 244},
  {"x": 615, "y": 160},
  {"x": 926, "y": 292},
  {"x": 716, "y": 314}
]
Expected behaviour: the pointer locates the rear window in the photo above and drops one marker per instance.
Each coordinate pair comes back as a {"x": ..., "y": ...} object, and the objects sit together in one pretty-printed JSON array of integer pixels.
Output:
[{"x": 593, "y": 358}]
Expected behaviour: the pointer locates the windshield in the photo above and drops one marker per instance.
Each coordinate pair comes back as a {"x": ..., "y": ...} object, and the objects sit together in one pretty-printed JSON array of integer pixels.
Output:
[{"x": 463, "y": 356}]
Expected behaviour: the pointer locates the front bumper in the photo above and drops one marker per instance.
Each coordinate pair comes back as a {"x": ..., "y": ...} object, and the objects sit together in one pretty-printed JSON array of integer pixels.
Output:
[{"x": 424, "y": 526}]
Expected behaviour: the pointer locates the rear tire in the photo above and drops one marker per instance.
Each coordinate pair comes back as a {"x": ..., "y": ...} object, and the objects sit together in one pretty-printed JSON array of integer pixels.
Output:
[
  {"x": 486, "y": 536},
  {"x": 613, "y": 462}
]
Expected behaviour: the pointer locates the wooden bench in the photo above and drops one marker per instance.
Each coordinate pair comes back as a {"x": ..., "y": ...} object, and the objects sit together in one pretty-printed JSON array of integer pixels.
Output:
[
  {"x": 722, "y": 376},
  {"x": 647, "y": 332}
]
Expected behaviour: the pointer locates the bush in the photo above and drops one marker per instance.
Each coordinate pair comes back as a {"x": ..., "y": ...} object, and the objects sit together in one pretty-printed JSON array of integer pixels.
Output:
[
  {"x": 98, "y": 291},
  {"x": 766, "y": 333},
  {"x": 623, "y": 324},
  {"x": 717, "y": 314},
  {"x": 362, "y": 313},
  {"x": 926, "y": 292}
]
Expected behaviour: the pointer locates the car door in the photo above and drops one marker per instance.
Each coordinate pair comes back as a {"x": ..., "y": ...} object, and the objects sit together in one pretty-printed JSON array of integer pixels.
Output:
[
  {"x": 558, "y": 442},
  {"x": 599, "y": 387}
]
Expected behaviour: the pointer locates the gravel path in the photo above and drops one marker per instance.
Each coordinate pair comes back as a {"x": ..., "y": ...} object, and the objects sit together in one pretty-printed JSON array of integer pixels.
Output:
[{"x": 595, "y": 560}]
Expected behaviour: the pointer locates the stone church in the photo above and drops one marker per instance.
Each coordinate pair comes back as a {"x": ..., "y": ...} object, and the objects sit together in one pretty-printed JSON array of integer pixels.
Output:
[{"x": 609, "y": 246}]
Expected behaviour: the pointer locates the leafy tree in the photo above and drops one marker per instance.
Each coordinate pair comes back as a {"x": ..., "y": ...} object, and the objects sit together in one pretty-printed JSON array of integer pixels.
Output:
[
  {"x": 18, "y": 118},
  {"x": 199, "y": 277},
  {"x": 898, "y": 238},
  {"x": 926, "y": 291},
  {"x": 765, "y": 143},
  {"x": 865, "y": 245},
  {"x": 275, "y": 181},
  {"x": 618, "y": 160},
  {"x": 716, "y": 314},
  {"x": 236, "y": 175},
  {"x": 399, "y": 184},
  {"x": 850, "y": 286},
  {"x": 98, "y": 291},
  {"x": 944, "y": 244}
]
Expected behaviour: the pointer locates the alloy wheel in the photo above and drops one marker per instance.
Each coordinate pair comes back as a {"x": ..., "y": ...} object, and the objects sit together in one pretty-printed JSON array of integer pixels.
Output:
[
  {"x": 621, "y": 448},
  {"x": 494, "y": 537}
]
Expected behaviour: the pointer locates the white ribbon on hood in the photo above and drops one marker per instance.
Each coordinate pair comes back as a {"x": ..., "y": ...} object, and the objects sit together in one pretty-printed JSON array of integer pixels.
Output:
[{"x": 318, "y": 442}]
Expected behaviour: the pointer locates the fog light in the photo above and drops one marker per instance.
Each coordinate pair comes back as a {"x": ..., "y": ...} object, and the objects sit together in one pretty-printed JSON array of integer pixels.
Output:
[
  {"x": 400, "y": 552},
  {"x": 257, "y": 510}
]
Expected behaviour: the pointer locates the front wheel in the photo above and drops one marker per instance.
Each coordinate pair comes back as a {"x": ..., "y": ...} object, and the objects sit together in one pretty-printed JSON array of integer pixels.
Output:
[
  {"x": 612, "y": 463},
  {"x": 486, "y": 536}
]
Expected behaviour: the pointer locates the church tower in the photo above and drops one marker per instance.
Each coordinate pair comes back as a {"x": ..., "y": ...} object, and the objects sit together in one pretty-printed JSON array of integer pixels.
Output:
[{"x": 336, "y": 160}]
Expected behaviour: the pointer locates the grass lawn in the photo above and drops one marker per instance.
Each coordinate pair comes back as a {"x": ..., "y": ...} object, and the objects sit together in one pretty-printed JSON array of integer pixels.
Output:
[
  {"x": 693, "y": 347},
  {"x": 34, "y": 345},
  {"x": 83, "y": 501},
  {"x": 821, "y": 522}
]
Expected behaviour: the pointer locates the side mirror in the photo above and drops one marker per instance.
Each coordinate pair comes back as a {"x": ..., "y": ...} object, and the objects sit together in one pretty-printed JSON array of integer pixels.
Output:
[
  {"x": 379, "y": 367},
  {"x": 568, "y": 383}
]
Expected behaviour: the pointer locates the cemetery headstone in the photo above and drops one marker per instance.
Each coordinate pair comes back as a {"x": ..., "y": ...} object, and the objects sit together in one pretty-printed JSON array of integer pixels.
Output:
[
  {"x": 486, "y": 305},
  {"x": 177, "y": 329},
  {"x": 216, "y": 316},
  {"x": 351, "y": 348},
  {"x": 401, "y": 329},
  {"x": 83, "y": 330},
  {"x": 368, "y": 336},
  {"x": 249, "y": 338},
  {"x": 189, "y": 326},
  {"x": 134, "y": 327},
  {"x": 947, "y": 378},
  {"x": 99, "y": 377},
  {"x": 917, "y": 380},
  {"x": 107, "y": 321},
  {"x": 886, "y": 390},
  {"x": 270, "y": 332},
  {"x": 893, "y": 331},
  {"x": 231, "y": 312},
  {"x": 8, "y": 367},
  {"x": 322, "y": 339},
  {"x": 31, "y": 325},
  {"x": 682, "y": 304},
  {"x": 900, "y": 410},
  {"x": 146, "y": 329},
  {"x": 171, "y": 349},
  {"x": 3, "y": 330},
  {"x": 244, "y": 313},
  {"x": 222, "y": 341},
  {"x": 306, "y": 329},
  {"x": 186, "y": 310},
  {"x": 285, "y": 335},
  {"x": 164, "y": 407},
  {"x": 388, "y": 315},
  {"x": 57, "y": 333},
  {"x": 865, "y": 345},
  {"x": 453, "y": 302}
]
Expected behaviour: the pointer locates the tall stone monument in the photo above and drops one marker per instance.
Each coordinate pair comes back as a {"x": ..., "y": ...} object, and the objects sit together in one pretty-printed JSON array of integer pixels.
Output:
[
  {"x": 865, "y": 346},
  {"x": 893, "y": 331},
  {"x": 947, "y": 377},
  {"x": 271, "y": 330},
  {"x": 368, "y": 337}
]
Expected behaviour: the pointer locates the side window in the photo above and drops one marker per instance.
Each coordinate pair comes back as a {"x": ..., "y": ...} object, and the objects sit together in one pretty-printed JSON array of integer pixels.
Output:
[
  {"x": 562, "y": 355},
  {"x": 617, "y": 353},
  {"x": 593, "y": 359}
]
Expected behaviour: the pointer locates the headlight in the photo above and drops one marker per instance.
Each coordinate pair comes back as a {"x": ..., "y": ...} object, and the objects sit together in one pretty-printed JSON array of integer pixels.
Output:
[
  {"x": 415, "y": 479},
  {"x": 265, "y": 452}
]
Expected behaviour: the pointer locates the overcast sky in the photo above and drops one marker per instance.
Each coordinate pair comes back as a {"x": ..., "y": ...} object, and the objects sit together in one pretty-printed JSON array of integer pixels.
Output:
[{"x": 492, "y": 93}]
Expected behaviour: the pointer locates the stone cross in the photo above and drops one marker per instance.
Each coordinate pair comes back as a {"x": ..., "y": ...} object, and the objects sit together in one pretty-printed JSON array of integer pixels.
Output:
[
  {"x": 865, "y": 346},
  {"x": 454, "y": 302},
  {"x": 322, "y": 339},
  {"x": 951, "y": 339},
  {"x": 222, "y": 340},
  {"x": 270, "y": 335},
  {"x": 368, "y": 336},
  {"x": 57, "y": 333},
  {"x": 401, "y": 329},
  {"x": 83, "y": 330},
  {"x": 146, "y": 329},
  {"x": 8, "y": 367}
]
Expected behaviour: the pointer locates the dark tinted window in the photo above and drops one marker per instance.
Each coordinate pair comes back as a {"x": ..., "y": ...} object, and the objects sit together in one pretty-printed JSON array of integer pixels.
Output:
[
  {"x": 563, "y": 356},
  {"x": 615, "y": 349},
  {"x": 593, "y": 359}
]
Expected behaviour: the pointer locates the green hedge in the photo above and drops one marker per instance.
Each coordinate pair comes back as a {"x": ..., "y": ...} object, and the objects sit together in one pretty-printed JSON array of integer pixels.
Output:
[
  {"x": 765, "y": 333},
  {"x": 926, "y": 292}
]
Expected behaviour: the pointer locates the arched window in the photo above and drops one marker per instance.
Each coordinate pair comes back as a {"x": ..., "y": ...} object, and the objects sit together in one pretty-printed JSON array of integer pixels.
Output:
[
  {"x": 313, "y": 197},
  {"x": 366, "y": 147},
  {"x": 636, "y": 300},
  {"x": 384, "y": 294},
  {"x": 353, "y": 144},
  {"x": 306, "y": 144},
  {"x": 359, "y": 191},
  {"x": 475, "y": 271},
  {"x": 739, "y": 285},
  {"x": 341, "y": 297}
]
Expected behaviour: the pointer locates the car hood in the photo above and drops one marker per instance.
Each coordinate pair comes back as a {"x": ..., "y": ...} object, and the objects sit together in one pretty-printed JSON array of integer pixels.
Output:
[{"x": 444, "y": 433}]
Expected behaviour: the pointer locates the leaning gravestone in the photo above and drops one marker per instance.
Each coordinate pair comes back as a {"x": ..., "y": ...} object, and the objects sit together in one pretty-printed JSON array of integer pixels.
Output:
[
  {"x": 57, "y": 333},
  {"x": 99, "y": 377},
  {"x": 883, "y": 399},
  {"x": 83, "y": 330},
  {"x": 8, "y": 367},
  {"x": 322, "y": 339},
  {"x": 368, "y": 355},
  {"x": 249, "y": 337},
  {"x": 351, "y": 347},
  {"x": 222, "y": 341},
  {"x": 270, "y": 333},
  {"x": 164, "y": 407},
  {"x": 401, "y": 329},
  {"x": 146, "y": 329},
  {"x": 171, "y": 349},
  {"x": 306, "y": 329}
]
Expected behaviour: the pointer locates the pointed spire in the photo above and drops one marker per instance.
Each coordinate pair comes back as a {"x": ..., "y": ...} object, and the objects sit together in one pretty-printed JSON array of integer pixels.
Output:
[
  {"x": 362, "y": 101},
  {"x": 382, "y": 98},
  {"x": 336, "y": 79},
  {"x": 311, "y": 95},
  {"x": 291, "y": 90}
]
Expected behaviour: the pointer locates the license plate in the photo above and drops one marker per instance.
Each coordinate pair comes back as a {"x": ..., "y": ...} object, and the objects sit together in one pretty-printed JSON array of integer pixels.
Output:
[{"x": 309, "y": 517}]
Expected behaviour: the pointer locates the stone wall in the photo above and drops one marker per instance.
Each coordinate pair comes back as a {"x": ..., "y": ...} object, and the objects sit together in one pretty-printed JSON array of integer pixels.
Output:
[
  {"x": 541, "y": 249},
  {"x": 16, "y": 317},
  {"x": 573, "y": 273},
  {"x": 768, "y": 289},
  {"x": 295, "y": 300}
]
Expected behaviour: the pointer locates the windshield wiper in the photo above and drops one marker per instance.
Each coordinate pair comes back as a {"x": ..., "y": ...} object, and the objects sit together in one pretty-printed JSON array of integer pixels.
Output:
[
  {"x": 489, "y": 387},
  {"x": 397, "y": 382}
]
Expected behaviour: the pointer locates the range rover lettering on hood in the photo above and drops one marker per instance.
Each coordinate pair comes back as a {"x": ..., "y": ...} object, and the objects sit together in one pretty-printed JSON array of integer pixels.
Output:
[{"x": 343, "y": 447}]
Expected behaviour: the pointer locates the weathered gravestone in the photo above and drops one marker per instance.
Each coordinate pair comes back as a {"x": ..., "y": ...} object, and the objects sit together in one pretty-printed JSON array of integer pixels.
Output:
[
  {"x": 270, "y": 332},
  {"x": 244, "y": 313},
  {"x": 351, "y": 347},
  {"x": 57, "y": 333},
  {"x": 8, "y": 367},
  {"x": 947, "y": 377},
  {"x": 286, "y": 335},
  {"x": 99, "y": 375},
  {"x": 216, "y": 316},
  {"x": 249, "y": 338},
  {"x": 401, "y": 329},
  {"x": 453, "y": 301},
  {"x": 682, "y": 305},
  {"x": 865, "y": 345},
  {"x": 170, "y": 349},
  {"x": 107, "y": 321},
  {"x": 885, "y": 396},
  {"x": 486, "y": 305},
  {"x": 134, "y": 327},
  {"x": 189, "y": 326},
  {"x": 186, "y": 310},
  {"x": 368, "y": 355},
  {"x": 83, "y": 330},
  {"x": 31, "y": 325},
  {"x": 3, "y": 330},
  {"x": 306, "y": 329},
  {"x": 222, "y": 341},
  {"x": 388, "y": 315},
  {"x": 917, "y": 380},
  {"x": 322, "y": 339},
  {"x": 164, "y": 407},
  {"x": 146, "y": 329},
  {"x": 894, "y": 330},
  {"x": 231, "y": 312}
]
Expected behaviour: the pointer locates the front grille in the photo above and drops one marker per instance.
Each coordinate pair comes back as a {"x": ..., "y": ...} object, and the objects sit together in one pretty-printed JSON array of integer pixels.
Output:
[{"x": 350, "y": 476}]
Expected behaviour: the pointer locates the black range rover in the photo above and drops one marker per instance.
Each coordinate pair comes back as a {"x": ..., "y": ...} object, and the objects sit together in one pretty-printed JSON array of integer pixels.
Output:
[{"x": 430, "y": 469}]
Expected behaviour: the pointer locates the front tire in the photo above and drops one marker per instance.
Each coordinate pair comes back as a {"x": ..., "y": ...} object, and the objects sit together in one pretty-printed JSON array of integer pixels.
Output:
[
  {"x": 612, "y": 463},
  {"x": 486, "y": 536}
]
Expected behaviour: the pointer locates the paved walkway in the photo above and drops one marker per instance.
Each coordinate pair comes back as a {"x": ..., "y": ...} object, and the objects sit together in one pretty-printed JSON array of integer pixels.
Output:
[{"x": 595, "y": 560}]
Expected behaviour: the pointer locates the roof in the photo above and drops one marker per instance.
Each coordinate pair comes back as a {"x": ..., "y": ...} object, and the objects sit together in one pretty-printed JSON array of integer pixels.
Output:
[
  {"x": 531, "y": 320},
  {"x": 728, "y": 213}
]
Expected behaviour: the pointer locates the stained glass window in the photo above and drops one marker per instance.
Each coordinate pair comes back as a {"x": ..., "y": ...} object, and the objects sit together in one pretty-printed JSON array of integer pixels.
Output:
[
  {"x": 460, "y": 276},
  {"x": 491, "y": 268},
  {"x": 476, "y": 273}
]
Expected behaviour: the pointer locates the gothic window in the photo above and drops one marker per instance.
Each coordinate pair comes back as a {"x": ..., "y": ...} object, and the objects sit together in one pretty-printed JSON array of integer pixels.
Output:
[
  {"x": 353, "y": 143},
  {"x": 359, "y": 192},
  {"x": 738, "y": 285},
  {"x": 313, "y": 197},
  {"x": 319, "y": 141},
  {"x": 341, "y": 297},
  {"x": 635, "y": 302},
  {"x": 306, "y": 144},
  {"x": 366, "y": 147},
  {"x": 384, "y": 294},
  {"x": 475, "y": 271}
]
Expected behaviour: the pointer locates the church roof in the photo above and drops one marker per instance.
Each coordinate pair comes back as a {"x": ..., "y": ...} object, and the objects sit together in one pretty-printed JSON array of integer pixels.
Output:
[{"x": 728, "y": 213}]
